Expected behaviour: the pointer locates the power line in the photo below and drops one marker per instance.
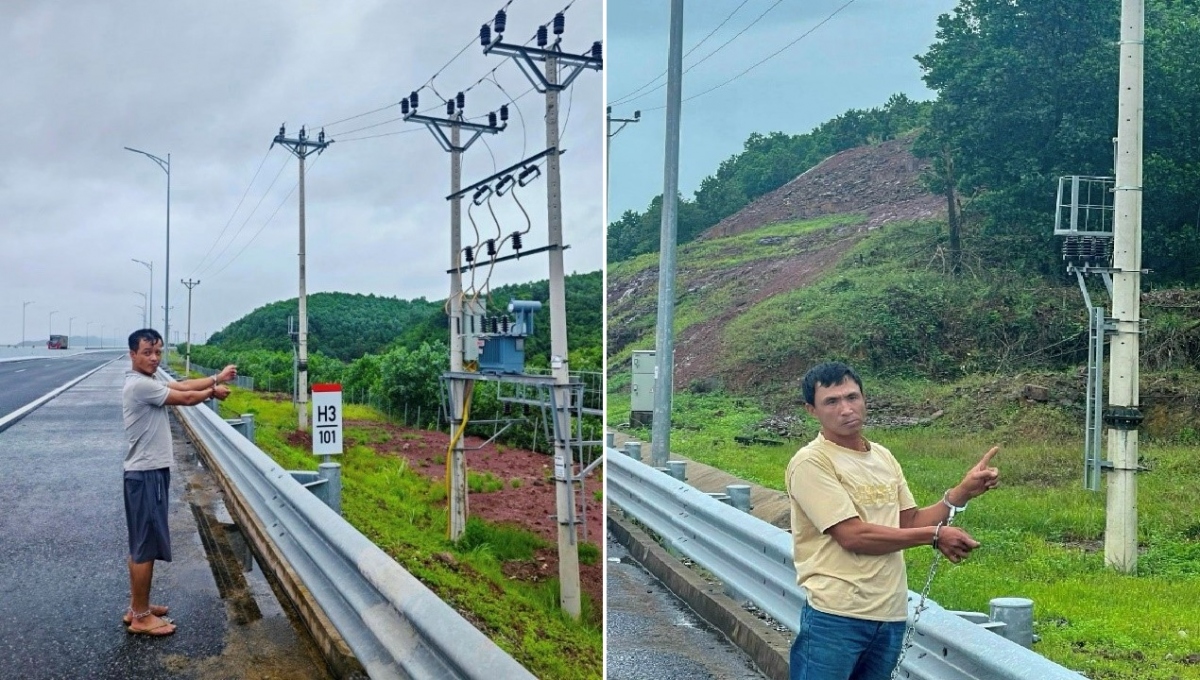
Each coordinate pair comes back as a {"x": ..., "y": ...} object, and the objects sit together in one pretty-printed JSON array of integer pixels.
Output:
[
  {"x": 767, "y": 58},
  {"x": 235, "y": 211},
  {"x": 626, "y": 97},
  {"x": 343, "y": 140},
  {"x": 336, "y": 122},
  {"x": 264, "y": 225},
  {"x": 246, "y": 221}
]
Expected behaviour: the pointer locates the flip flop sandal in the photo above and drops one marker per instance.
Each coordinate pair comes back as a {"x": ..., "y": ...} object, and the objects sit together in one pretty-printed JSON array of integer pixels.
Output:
[
  {"x": 159, "y": 610},
  {"x": 156, "y": 631}
]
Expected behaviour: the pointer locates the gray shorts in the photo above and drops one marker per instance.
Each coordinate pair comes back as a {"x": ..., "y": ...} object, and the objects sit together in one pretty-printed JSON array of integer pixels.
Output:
[{"x": 146, "y": 514}]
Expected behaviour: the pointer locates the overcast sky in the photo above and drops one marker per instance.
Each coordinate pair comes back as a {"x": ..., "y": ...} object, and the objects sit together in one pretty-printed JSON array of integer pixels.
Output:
[
  {"x": 857, "y": 59},
  {"x": 210, "y": 83}
]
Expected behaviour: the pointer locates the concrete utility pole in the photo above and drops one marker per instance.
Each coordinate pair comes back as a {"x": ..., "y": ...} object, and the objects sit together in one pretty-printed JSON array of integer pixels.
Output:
[
  {"x": 302, "y": 147},
  {"x": 166, "y": 167},
  {"x": 1123, "y": 415},
  {"x": 564, "y": 466},
  {"x": 609, "y": 133},
  {"x": 452, "y": 143},
  {"x": 664, "y": 347},
  {"x": 188, "y": 360}
]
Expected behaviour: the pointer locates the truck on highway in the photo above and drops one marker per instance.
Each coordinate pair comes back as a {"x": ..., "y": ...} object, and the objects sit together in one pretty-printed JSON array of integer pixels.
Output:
[{"x": 57, "y": 342}]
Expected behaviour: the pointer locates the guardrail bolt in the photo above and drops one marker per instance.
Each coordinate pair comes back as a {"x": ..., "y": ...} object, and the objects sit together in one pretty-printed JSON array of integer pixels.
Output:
[
  {"x": 1017, "y": 614},
  {"x": 678, "y": 469},
  {"x": 739, "y": 496}
]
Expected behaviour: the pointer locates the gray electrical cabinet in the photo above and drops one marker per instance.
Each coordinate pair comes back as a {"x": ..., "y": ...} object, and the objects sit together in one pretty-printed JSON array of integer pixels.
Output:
[{"x": 641, "y": 408}]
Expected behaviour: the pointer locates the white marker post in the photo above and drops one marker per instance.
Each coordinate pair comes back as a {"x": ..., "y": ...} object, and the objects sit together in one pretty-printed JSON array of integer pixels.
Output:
[
  {"x": 327, "y": 418},
  {"x": 327, "y": 440}
]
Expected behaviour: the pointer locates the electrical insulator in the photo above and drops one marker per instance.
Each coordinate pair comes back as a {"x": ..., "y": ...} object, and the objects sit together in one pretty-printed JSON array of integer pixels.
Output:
[
  {"x": 412, "y": 100},
  {"x": 516, "y": 239},
  {"x": 404, "y": 106},
  {"x": 597, "y": 50},
  {"x": 530, "y": 173},
  {"x": 504, "y": 323},
  {"x": 495, "y": 324},
  {"x": 504, "y": 184},
  {"x": 491, "y": 247},
  {"x": 281, "y": 133},
  {"x": 525, "y": 410},
  {"x": 302, "y": 135},
  {"x": 508, "y": 408},
  {"x": 504, "y": 113},
  {"x": 501, "y": 19},
  {"x": 470, "y": 252},
  {"x": 542, "y": 39},
  {"x": 485, "y": 35},
  {"x": 492, "y": 119},
  {"x": 449, "y": 107},
  {"x": 321, "y": 137},
  {"x": 479, "y": 194},
  {"x": 560, "y": 22},
  {"x": 461, "y": 100}
]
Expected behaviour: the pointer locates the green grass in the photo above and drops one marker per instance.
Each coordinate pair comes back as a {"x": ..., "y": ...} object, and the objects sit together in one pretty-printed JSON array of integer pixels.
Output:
[
  {"x": 404, "y": 513},
  {"x": 1041, "y": 533}
]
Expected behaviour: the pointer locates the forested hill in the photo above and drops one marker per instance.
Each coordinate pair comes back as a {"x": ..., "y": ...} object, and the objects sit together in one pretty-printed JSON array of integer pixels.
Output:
[
  {"x": 766, "y": 163},
  {"x": 346, "y": 326},
  {"x": 1026, "y": 93}
]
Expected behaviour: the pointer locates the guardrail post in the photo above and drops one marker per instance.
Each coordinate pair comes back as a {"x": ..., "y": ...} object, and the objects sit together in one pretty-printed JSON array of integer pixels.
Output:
[
  {"x": 678, "y": 469},
  {"x": 248, "y": 426},
  {"x": 332, "y": 474},
  {"x": 634, "y": 450},
  {"x": 610, "y": 439},
  {"x": 212, "y": 405},
  {"x": 739, "y": 496},
  {"x": 723, "y": 497},
  {"x": 1017, "y": 614}
]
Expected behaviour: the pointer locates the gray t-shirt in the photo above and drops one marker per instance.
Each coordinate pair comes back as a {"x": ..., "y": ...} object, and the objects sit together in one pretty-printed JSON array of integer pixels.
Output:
[{"x": 146, "y": 423}]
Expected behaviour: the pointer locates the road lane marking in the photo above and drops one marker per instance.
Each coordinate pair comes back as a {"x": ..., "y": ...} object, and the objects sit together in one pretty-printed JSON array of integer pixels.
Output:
[{"x": 25, "y": 410}]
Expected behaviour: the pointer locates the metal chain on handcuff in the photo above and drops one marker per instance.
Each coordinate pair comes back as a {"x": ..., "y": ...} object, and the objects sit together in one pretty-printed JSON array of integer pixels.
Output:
[{"x": 937, "y": 558}]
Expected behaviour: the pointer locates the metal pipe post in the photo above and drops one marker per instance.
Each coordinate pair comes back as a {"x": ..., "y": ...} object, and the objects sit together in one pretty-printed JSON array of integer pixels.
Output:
[
  {"x": 1120, "y": 536},
  {"x": 660, "y": 444}
]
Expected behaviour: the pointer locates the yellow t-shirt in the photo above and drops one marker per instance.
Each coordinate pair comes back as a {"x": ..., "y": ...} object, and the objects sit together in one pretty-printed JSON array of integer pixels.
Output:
[{"x": 827, "y": 484}]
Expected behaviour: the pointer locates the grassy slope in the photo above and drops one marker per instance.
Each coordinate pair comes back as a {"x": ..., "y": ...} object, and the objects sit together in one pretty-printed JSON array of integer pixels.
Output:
[
  {"x": 403, "y": 513},
  {"x": 922, "y": 339},
  {"x": 1042, "y": 534}
]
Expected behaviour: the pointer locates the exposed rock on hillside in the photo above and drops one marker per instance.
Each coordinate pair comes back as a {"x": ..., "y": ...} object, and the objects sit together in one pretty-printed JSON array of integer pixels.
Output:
[{"x": 880, "y": 181}]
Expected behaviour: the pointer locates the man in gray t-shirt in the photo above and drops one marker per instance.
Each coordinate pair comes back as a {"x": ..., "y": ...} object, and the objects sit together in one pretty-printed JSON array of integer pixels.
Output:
[{"x": 148, "y": 468}]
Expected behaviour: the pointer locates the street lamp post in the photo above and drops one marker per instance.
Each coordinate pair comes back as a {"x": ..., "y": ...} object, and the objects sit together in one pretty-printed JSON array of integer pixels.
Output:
[
  {"x": 69, "y": 322},
  {"x": 166, "y": 167},
  {"x": 145, "y": 310},
  {"x": 23, "y": 307},
  {"x": 101, "y": 336},
  {"x": 51, "y": 332},
  {"x": 87, "y": 333},
  {"x": 150, "y": 302}
]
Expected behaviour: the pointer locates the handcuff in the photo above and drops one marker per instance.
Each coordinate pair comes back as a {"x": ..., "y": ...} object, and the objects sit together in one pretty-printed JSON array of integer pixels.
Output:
[{"x": 954, "y": 509}]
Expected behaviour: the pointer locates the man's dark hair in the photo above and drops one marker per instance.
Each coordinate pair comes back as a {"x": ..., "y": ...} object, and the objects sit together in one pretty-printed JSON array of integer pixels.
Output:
[
  {"x": 827, "y": 374},
  {"x": 148, "y": 334}
]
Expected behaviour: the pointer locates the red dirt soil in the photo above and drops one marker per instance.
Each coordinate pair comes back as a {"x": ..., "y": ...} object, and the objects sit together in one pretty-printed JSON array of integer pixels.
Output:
[{"x": 531, "y": 505}]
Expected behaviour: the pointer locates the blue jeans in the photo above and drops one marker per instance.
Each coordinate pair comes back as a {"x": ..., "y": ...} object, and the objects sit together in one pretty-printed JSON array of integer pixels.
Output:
[{"x": 830, "y": 647}]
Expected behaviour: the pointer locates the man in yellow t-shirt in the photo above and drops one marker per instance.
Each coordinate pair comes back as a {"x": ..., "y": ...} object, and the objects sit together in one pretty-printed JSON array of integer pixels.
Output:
[{"x": 852, "y": 516}]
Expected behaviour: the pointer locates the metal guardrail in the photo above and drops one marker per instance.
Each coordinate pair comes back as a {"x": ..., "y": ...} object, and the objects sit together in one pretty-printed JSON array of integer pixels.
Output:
[
  {"x": 395, "y": 626},
  {"x": 754, "y": 559}
]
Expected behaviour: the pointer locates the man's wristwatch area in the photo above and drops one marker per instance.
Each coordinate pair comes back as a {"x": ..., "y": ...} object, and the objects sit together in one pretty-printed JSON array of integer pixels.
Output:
[{"x": 954, "y": 509}]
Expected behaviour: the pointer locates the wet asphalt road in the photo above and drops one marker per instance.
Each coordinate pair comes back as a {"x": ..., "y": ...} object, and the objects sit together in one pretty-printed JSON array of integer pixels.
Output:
[
  {"x": 24, "y": 381},
  {"x": 651, "y": 634},
  {"x": 63, "y": 578}
]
